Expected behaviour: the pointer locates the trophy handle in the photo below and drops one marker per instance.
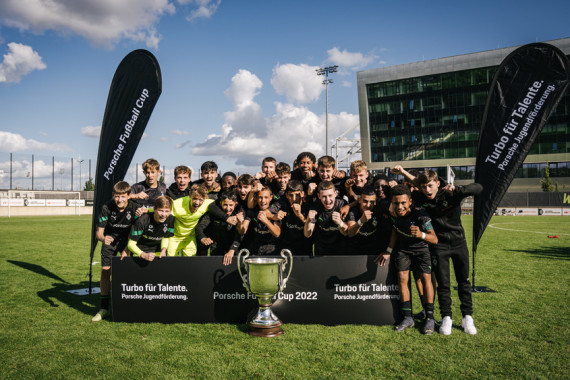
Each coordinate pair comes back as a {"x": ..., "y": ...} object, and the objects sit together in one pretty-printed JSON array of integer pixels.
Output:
[
  {"x": 239, "y": 262},
  {"x": 287, "y": 260}
]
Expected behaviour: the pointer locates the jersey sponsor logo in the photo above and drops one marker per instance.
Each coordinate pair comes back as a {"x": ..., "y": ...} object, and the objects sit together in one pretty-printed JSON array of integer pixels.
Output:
[{"x": 293, "y": 226}]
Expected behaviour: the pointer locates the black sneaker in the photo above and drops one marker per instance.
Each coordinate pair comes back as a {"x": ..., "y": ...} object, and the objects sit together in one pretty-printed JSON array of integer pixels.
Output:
[
  {"x": 421, "y": 315},
  {"x": 406, "y": 322},
  {"x": 429, "y": 326}
]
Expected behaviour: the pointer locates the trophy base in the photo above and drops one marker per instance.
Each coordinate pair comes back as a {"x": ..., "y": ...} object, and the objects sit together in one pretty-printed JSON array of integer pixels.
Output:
[{"x": 265, "y": 331}]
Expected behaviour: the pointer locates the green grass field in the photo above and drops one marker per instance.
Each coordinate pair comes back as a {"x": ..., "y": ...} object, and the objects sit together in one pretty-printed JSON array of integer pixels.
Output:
[{"x": 46, "y": 332}]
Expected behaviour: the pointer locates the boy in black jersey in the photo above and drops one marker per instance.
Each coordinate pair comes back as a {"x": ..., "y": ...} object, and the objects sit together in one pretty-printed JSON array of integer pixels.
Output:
[
  {"x": 267, "y": 173},
  {"x": 149, "y": 237},
  {"x": 282, "y": 178},
  {"x": 113, "y": 228},
  {"x": 324, "y": 222},
  {"x": 412, "y": 231},
  {"x": 443, "y": 203},
  {"x": 221, "y": 237},
  {"x": 326, "y": 171},
  {"x": 182, "y": 183},
  {"x": 292, "y": 212},
  {"x": 364, "y": 225},
  {"x": 359, "y": 178},
  {"x": 228, "y": 181},
  {"x": 306, "y": 169},
  {"x": 209, "y": 174},
  {"x": 145, "y": 192},
  {"x": 261, "y": 233},
  {"x": 243, "y": 190}
]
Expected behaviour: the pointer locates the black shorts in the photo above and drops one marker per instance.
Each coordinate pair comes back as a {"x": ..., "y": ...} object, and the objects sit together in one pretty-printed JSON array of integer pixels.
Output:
[
  {"x": 113, "y": 249},
  {"x": 418, "y": 261}
]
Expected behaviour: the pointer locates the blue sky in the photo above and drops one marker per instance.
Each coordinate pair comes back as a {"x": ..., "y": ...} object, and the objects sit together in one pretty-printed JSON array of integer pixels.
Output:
[{"x": 238, "y": 76}]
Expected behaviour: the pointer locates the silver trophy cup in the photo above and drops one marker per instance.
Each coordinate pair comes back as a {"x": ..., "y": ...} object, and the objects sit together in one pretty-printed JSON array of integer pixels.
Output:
[{"x": 264, "y": 278}]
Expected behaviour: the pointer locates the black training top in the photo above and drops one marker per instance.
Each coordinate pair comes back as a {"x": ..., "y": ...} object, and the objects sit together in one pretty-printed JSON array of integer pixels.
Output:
[
  {"x": 327, "y": 238},
  {"x": 148, "y": 233},
  {"x": 292, "y": 229},
  {"x": 117, "y": 223},
  {"x": 258, "y": 239},
  {"x": 406, "y": 241},
  {"x": 152, "y": 193},
  {"x": 223, "y": 234},
  {"x": 174, "y": 192},
  {"x": 368, "y": 239},
  {"x": 445, "y": 210}
]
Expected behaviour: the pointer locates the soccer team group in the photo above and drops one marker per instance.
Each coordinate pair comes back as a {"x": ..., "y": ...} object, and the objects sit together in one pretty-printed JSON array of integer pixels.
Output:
[{"x": 312, "y": 209}]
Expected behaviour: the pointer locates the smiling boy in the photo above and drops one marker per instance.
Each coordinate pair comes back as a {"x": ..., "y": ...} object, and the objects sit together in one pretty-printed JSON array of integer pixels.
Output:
[
  {"x": 145, "y": 192},
  {"x": 261, "y": 233},
  {"x": 443, "y": 204},
  {"x": 324, "y": 222},
  {"x": 149, "y": 237},
  {"x": 113, "y": 228},
  {"x": 412, "y": 231},
  {"x": 182, "y": 183}
]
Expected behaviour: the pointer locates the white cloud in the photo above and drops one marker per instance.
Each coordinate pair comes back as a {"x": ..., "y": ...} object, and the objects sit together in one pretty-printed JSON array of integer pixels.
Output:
[
  {"x": 299, "y": 83},
  {"x": 179, "y": 132},
  {"x": 344, "y": 58},
  {"x": 291, "y": 130},
  {"x": 346, "y": 83},
  {"x": 19, "y": 61},
  {"x": 91, "y": 131},
  {"x": 246, "y": 116},
  {"x": 101, "y": 22},
  {"x": 12, "y": 142},
  {"x": 206, "y": 8},
  {"x": 164, "y": 139}
]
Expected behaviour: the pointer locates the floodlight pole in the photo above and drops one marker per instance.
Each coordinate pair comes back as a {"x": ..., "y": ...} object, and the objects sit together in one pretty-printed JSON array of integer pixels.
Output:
[
  {"x": 326, "y": 71},
  {"x": 80, "y": 161}
]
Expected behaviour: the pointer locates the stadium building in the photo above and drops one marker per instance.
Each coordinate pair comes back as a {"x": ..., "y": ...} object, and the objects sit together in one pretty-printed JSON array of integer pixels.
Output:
[{"x": 428, "y": 115}]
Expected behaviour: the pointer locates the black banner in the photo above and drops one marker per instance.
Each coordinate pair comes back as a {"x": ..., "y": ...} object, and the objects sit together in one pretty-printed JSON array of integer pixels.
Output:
[
  {"x": 135, "y": 89},
  {"x": 326, "y": 290},
  {"x": 527, "y": 87}
]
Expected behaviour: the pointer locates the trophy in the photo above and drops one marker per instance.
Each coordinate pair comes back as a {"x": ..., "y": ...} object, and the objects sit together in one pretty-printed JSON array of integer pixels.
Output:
[{"x": 264, "y": 279}]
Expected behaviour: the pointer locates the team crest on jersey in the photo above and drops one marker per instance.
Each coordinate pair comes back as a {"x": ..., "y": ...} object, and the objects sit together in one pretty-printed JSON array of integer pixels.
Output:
[
  {"x": 374, "y": 222},
  {"x": 165, "y": 228},
  {"x": 445, "y": 203},
  {"x": 128, "y": 215}
]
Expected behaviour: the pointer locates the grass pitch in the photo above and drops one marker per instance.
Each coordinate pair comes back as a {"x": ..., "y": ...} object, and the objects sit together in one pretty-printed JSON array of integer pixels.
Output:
[{"x": 46, "y": 332}]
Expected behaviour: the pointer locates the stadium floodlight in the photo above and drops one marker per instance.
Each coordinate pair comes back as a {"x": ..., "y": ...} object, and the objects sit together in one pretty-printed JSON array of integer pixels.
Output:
[{"x": 326, "y": 71}]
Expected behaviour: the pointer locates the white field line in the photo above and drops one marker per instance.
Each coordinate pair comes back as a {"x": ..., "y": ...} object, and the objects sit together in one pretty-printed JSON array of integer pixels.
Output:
[{"x": 530, "y": 232}]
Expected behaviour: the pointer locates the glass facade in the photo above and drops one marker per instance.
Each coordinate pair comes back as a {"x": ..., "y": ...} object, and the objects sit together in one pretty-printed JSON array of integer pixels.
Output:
[
  {"x": 556, "y": 170},
  {"x": 438, "y": 117}
]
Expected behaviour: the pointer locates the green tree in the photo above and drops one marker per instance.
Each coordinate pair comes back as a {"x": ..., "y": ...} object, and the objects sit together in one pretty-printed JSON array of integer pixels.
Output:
[
  {"x": 546, "y": 182},
  {"x": 89, "y": 185}
]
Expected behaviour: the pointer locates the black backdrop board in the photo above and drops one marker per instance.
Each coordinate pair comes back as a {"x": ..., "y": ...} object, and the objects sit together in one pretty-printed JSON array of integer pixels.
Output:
[
  {"x": 135, "y": 89},
  {"x": 326, "y": 290}
]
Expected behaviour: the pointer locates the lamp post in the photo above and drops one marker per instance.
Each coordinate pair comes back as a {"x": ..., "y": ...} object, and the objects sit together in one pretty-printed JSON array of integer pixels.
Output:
[
  {"x": 80, "y": 161},
  {"x": 61, "y": 171},
  {"x": 326, "y": 71}
]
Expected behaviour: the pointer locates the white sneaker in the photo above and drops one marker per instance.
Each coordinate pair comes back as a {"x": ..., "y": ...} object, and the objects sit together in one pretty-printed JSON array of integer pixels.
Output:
[
  {"x": 445, "y": 328},
  {"x": 468, "y": 326},
  {"x": 100, "y": 315}
]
